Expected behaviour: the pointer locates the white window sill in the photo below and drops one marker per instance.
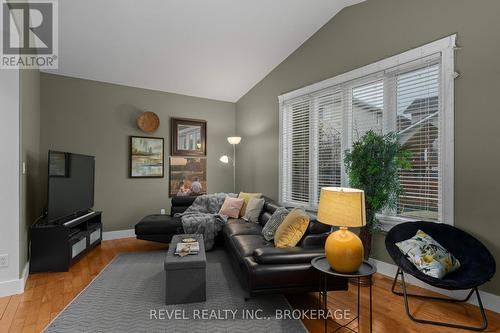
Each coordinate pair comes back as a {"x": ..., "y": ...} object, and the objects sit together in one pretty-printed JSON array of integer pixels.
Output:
[{"x": 387, "y": 221}]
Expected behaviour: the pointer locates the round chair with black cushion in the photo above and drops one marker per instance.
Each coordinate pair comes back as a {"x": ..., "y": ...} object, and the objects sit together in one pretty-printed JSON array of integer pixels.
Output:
[{"x": 477, "y": 265}]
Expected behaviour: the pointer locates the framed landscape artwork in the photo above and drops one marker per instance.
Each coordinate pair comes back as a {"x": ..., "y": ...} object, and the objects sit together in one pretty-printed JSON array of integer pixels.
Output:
[
  {"x": 188, "y": 176},
  {"x": 146, "y": 157}
]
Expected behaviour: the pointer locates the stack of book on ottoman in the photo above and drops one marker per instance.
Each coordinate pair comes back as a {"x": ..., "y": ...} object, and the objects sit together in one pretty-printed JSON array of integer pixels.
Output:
[{"x": 188, "y": 246}]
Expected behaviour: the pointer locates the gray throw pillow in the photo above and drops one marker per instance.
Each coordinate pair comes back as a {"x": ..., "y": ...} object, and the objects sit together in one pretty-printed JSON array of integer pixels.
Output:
[
  {"x": 254, "y": 208},
  {"x": 274, "y": 222}
]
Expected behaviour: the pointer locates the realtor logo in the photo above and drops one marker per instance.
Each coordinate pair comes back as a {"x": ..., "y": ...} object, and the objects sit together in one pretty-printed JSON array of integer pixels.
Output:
[{"x": 29, "y": 34}]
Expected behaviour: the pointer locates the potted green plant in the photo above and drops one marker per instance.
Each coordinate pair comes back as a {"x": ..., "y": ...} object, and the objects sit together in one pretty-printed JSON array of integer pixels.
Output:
[{"x": 372, "y": 165}]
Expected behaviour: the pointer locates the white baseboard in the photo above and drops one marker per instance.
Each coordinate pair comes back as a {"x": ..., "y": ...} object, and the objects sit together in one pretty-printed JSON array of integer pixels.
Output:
[
  {"x": 16, "y": 286},
  {"x": 490, "y": 301},
  {"x": 109, "y": 235}
]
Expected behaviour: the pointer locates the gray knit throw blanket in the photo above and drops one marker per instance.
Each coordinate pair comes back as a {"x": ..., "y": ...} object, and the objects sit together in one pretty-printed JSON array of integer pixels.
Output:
[{"x": 203, "y": 217}]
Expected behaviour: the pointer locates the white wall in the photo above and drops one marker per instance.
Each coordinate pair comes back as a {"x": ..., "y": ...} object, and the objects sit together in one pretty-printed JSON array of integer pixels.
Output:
[{"x": 9, "y": 180}]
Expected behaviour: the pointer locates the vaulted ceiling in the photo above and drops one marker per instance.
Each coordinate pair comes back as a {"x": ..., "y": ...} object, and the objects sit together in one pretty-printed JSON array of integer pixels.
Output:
[{"x": 216, "y": 49}]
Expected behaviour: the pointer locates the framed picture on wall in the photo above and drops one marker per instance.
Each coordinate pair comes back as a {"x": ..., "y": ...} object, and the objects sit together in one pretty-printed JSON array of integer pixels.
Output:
[
  {"x": 189, "y": 137},
  {"x": 188, "y": 176},
  {"x": 146, "y": 157}
]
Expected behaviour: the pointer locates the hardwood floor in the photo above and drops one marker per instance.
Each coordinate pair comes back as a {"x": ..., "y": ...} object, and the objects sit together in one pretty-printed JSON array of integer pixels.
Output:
[{"x": 48, "y": 293}]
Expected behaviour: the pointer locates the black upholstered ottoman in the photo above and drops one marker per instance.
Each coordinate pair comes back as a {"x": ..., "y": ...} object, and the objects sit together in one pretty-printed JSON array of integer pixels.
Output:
[{"x": 158, "y": 228}]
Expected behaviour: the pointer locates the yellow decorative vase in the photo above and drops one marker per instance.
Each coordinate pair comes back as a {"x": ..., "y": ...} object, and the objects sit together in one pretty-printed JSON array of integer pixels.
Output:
[{"x": 344, "y": 251}]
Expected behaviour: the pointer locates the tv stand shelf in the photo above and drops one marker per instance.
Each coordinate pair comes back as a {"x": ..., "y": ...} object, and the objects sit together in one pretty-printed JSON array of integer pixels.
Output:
[{"x": 55, "y": 247}]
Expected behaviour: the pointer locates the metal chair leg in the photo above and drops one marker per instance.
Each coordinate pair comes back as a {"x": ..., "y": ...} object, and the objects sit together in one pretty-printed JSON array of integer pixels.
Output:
[
  {"x": 406, "y": 295},
  {"x": 451, "y": 300}
]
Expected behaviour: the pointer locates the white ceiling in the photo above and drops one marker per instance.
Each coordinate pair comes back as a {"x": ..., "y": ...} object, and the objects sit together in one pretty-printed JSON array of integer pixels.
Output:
[{"x": 216, "y": 49}]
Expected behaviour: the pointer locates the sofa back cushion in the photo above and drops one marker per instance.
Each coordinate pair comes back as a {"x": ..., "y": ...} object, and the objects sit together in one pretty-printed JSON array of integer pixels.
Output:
[{"x": 268, "y": 210}]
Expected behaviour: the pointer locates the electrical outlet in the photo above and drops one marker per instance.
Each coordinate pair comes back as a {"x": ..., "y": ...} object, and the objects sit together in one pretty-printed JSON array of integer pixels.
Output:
[
  {"x": 162, "y": 211},
  {"x": 4, "y": 260}
]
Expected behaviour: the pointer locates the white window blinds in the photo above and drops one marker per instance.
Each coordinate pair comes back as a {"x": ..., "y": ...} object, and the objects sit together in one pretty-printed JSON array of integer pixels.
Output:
[
  {"x": 311, "y": 147},
  {"x": 417, "y": 122},
  {"x": 328, "y": 107},
  {"x": 367, "y": 107},
  {"x": 295, "y": 152}
]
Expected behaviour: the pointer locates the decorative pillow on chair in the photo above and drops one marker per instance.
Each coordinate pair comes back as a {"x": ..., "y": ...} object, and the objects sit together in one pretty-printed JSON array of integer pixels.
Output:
[
  {"x": 428, "y": 255},
  {"x": 253, "y": 210},
  {"x": 292, "y": 229},
  {"x": 231, "y": 207},
  {"x": 247, "y": 196},
  {"x": 274, "y": 222}
]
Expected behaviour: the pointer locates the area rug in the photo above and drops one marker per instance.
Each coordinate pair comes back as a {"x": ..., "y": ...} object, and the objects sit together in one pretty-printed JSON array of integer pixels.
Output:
[{"x": 128, "y": 296}]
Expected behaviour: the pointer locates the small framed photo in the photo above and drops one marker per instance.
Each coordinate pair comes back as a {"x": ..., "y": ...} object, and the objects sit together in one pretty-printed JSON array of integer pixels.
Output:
[{"x": 146, "y": 157}]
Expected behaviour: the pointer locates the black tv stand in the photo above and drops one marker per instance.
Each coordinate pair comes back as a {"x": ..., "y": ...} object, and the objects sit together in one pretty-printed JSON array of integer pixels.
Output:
[{"x": 54, "y": 247}]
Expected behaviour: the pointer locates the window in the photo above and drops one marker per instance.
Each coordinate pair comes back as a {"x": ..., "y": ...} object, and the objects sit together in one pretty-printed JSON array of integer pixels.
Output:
[{"x": 411, "y": 94}]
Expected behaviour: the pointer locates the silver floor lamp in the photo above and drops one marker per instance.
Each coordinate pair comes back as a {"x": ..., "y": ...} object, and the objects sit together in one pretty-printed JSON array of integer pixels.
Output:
[{"x": 233, "y": 140}]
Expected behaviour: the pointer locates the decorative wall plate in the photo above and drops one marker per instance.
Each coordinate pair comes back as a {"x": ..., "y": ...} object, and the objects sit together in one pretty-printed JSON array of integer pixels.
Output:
[{"x": 148, "y": 122}]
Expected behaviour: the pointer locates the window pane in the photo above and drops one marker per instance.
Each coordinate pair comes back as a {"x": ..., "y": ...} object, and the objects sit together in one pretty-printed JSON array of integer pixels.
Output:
[
  {"x": 418, "y": 127},
  {"x": 367, "y": 109},
  {"x": 329, "y": 111}
]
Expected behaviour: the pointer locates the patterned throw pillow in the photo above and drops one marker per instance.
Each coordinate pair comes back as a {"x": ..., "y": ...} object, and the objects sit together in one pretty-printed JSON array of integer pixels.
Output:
[
  {"x": 274, "y": 222},
  {"x": 428, "y": 255}
]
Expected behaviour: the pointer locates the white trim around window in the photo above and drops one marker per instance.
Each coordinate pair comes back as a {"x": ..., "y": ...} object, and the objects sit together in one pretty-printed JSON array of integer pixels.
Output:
[{"x": 440, "y": 52}]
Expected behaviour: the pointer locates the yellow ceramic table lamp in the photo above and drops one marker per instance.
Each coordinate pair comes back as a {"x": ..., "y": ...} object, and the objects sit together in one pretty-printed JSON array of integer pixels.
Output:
[{"x": 343, "y": 207}]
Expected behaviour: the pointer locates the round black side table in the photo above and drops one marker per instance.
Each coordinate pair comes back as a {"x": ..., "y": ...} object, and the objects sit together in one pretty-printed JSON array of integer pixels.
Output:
[{"x": 365, "y": 270}]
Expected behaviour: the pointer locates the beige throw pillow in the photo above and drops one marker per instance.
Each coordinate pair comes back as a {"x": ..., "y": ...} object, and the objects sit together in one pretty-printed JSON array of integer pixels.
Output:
[
  {"x": 253, "y": 210},
  {"x": 247, "y": 196}
]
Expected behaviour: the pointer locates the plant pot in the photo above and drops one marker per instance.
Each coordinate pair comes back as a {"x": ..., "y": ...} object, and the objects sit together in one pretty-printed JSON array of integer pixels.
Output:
[{"x": 366, "y": 238}]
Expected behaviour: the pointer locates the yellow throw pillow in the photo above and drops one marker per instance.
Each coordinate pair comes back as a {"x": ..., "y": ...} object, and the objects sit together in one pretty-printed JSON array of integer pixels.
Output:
[
  {"x": 292, "y": 229},
  {"x": 247, "y": 196}
]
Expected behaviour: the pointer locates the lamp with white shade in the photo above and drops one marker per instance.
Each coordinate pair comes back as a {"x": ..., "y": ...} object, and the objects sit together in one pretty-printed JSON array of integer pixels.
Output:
[{"x": 233, "y": 140}]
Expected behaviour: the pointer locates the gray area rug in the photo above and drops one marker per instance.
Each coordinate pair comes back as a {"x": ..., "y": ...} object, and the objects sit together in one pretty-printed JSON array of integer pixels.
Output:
[{"x": 129, "y": 292}]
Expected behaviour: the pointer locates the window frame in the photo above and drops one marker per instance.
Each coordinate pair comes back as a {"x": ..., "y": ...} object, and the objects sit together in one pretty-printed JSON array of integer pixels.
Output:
[{"x": 440, "y": 51}]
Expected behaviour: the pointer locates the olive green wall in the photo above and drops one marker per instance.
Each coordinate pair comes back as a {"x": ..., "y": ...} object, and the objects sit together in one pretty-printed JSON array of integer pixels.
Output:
[
  {"x": 96, "y": 118},
  {"x": 31, "y": 201},
  {"x": 373, "y": 30}
]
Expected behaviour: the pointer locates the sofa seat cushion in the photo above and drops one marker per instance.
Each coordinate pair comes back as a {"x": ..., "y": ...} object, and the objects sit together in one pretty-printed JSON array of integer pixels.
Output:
[
  {"x": 159, "y": 224},
  {"x": 246, "y": 244},
  {"x": 245, "y": 228},
  {"x": 288, "y": 255},
  {"x": 262, "y": 278}
]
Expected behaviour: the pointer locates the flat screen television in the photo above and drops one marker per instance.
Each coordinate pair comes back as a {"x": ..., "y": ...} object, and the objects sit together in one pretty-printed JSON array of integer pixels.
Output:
[{"x": 70, "y": 186}]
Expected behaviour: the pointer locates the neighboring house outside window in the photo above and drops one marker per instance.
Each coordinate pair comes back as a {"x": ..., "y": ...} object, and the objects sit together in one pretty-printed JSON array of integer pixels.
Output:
[{"x": 413, "y": 98}]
